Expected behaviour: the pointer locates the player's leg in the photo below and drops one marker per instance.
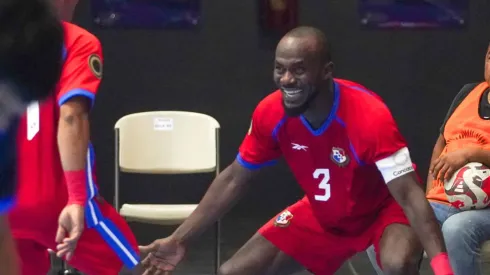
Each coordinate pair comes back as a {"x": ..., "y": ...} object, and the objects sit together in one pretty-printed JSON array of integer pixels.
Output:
[
  {"x": 441, "y": 211},
  {"x": 259, "y": 256},
  {"x": 398, "y": 248},
  {"x": 288, "y": 243},
  {"x": 34, "y": 257},
  {"x": 108, "y": 247},
  {"x": 400, "y": 251},
  {"x": 8, "y": 257},
  {"x": 464, "y": 233}
]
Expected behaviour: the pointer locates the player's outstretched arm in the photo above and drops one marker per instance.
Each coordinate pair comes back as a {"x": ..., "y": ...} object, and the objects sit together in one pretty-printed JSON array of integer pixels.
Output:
[
  {"x": 436, "y": 152},
  {"x": 8, "y": 257},
  {"x": 411, "y": 197},
  {"x": 224, "y": 192}
]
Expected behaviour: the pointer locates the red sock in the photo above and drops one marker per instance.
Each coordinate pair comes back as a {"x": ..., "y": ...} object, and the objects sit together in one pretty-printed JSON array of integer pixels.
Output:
[{"x": 440, "y": 264}]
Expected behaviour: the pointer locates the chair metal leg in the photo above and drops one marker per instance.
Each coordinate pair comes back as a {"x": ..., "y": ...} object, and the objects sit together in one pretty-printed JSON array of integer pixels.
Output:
[
  {"x": 351, "y": 268},
  {"x": 62, "y": 267},
  {"x": 66, "y": 270},
  {"x": 217, "y": 259}
]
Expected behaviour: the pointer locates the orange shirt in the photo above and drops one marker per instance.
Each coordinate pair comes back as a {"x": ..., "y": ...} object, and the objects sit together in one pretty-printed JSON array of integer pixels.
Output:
[{"x": 464, "y": 128}]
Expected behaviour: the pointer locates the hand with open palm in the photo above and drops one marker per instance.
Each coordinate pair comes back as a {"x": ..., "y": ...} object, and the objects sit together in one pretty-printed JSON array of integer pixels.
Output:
[{"x": 162, "y": 256}]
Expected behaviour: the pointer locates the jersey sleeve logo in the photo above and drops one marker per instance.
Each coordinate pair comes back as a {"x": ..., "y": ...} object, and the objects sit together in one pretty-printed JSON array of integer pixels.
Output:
[
  {"x": 95, "y": 64},
  {"x": 339, "y": 157}
]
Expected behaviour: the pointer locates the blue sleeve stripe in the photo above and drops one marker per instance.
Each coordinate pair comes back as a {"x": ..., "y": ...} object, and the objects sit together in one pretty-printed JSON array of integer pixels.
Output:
[
  {"x": 253, "y": 166},
  {"x": 351, "y": 147},
  {"x": 64, "y": 53},
  {"x": 278, "y": 126},
  {"x": 6, "y": 204},
  {"x": 340, "y": 121},
  {"x": 361, "y": 90},
  {"x": 356, "y": 157},
  {"x": 77, "y": 92}
]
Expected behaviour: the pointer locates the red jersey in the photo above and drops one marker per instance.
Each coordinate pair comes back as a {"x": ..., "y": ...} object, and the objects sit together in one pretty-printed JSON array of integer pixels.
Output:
[
  {"x": 344, "y": 165},
  {"x": 42, "y": 192},
  {"x": 41, "y": 177}
]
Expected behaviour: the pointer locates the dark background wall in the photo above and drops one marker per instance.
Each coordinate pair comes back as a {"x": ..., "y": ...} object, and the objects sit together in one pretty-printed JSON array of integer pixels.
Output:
[{"x": 222, "y": 70}]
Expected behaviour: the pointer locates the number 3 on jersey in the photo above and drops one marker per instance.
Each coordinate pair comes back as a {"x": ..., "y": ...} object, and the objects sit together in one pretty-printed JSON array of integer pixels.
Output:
[{"x": 324, "y": 175}]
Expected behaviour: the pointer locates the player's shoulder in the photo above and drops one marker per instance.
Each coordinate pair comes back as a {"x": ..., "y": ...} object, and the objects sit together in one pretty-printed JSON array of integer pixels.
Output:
[
  {"x": 76, "y": 35},
  {"x": 269, "y": 111},
  {"x": 361, "y": 106},
  {"x": 472, "y": 85},
  {"x": 354, "y": 93},
  {"x": 468, "y": 88}
]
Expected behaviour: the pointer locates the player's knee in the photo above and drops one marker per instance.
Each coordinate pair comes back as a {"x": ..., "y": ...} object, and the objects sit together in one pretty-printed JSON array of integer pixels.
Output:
[
  {"x": 227, "y": 269},
  {"x": 399, "y": 263}
]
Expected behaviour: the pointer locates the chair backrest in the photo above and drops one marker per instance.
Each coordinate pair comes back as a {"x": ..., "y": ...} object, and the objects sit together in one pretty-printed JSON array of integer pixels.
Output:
[{"x": 167, "y": 142}]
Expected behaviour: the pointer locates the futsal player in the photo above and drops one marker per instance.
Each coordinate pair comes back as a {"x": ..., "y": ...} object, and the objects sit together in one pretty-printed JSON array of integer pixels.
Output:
[
  {"x": 345, "y": 150},
  {"x": 30, "y": 64},
  {"x": 58, "y": 204}
]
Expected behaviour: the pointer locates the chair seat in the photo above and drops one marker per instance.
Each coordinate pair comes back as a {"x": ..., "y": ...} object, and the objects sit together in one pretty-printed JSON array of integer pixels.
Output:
[{"x": 164, "y": 214}]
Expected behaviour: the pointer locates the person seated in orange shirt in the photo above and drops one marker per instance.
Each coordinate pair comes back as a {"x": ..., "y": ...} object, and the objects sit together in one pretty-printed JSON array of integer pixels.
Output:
[{"x": 464, "y": 137}]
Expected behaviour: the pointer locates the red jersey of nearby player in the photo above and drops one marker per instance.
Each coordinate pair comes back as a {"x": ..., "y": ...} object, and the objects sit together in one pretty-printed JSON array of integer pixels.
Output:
[
  {"x": 343, "y": 165},
  {"x": 42, "y": 190},
  {"x": 41, "y": 177}
]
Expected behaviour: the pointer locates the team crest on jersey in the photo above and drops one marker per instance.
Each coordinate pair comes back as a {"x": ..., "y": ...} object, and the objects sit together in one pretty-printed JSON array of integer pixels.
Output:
[
  {"x": 339, "y": 156},
  {"x": 283, "y": 219},
  {"x": 95, "y": 64}
]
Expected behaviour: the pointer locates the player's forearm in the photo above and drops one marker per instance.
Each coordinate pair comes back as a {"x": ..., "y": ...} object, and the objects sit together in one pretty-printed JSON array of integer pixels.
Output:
[
  {"x": 9, "y": 263},
  {"x": 479, "y": 155},
  {"x": 436, "y": 152},
  {"x": 222, "y": 195},
  {"x": 422, "y": 219},
  {"x": 73, "y": 140}
]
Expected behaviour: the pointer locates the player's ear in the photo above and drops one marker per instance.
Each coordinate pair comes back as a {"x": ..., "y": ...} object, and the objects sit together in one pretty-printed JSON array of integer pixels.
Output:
[{"x": 328, "y": 70}]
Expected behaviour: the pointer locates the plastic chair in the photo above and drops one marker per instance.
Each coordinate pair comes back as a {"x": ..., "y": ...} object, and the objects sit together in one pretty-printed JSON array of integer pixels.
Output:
[{"x": 165, "y": 142}]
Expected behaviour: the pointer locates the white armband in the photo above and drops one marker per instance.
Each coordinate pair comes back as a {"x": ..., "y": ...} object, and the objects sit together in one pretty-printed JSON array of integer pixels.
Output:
[{"x": 395, "y": 165}]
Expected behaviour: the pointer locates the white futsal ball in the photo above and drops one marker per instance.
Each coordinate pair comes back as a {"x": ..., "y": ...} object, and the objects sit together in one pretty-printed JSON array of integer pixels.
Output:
[{"x": 469, "y": 187}]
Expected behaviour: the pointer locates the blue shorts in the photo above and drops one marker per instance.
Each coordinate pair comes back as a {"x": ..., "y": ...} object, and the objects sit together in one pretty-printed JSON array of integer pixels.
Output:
[{"x": 8, "y": 164}]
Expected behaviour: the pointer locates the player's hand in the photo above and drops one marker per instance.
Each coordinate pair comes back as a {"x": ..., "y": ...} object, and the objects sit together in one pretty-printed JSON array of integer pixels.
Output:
[
  {"x": 70, "y": 228},
  {"x": 161, "y": 256},
  {"x": 445, "y": 166}
]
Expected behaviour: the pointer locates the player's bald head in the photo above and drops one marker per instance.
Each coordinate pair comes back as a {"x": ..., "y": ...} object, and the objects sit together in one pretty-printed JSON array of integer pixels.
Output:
[{"x": 308, "y": 41}]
